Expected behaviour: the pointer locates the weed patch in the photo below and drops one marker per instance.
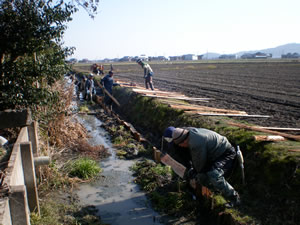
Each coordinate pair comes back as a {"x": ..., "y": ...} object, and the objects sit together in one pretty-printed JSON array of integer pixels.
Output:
[{"x": 84, "y": 168}]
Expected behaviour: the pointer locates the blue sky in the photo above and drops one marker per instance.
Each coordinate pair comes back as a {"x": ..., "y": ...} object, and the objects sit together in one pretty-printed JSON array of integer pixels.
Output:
[{"x": 176, "y": 27}]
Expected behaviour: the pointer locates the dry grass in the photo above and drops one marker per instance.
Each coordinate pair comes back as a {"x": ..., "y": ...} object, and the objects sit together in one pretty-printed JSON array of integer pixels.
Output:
[{"x": 65, "y": 132}]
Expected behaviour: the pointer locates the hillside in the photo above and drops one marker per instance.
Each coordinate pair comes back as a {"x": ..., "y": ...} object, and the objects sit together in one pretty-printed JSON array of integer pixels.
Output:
[{"x": 277, "y": 51}]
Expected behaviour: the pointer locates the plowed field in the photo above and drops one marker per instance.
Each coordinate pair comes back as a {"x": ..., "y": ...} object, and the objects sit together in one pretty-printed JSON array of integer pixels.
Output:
[{"x": 260, "y": 88}]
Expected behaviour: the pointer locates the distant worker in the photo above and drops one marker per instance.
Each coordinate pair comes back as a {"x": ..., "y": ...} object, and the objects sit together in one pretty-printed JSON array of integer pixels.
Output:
[
  {"x": 148, "y": 73},
  {"x": 101, "y": 70},
  {"x": 211, "y": 156},
  {"x": 108, "y": 83},
  {"x": 80, "y": 87},
  {"x": 90, "y": 87},
  {"x": 94, "y": 68},
  {"x": 97, "y": 69}
]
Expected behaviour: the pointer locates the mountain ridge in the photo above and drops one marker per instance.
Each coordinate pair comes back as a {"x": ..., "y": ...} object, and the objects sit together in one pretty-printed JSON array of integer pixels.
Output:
[{"x": 276, "y": 51}]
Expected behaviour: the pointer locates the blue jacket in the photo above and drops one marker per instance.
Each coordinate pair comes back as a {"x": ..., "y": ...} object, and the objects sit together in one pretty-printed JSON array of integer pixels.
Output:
[{"x": 108, "y": 83}]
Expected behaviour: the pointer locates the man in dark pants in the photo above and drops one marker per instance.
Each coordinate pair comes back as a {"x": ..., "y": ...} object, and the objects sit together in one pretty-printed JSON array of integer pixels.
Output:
[
  {"x": 108, "y": 83},
  {"x": 212, "y": 158},
  {"x": 148, "y": 73}
]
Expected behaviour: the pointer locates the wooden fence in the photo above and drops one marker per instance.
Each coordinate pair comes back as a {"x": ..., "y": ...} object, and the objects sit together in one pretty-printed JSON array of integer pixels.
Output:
[{"x": 20, "y": 177}]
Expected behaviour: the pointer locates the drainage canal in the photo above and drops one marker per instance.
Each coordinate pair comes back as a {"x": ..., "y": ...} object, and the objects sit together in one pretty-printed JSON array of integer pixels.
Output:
[{"x": 118, "y": 199}]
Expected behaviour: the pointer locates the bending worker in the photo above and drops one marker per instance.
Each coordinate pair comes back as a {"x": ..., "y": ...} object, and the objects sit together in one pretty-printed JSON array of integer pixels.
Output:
[
  {"x": 148, "y": 73},
  {"x": 212, "y": 158},
  {"x": 108, "y": 82}
]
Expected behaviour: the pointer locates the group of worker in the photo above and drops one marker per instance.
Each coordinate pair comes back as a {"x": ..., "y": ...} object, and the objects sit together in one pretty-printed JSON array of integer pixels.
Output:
[
  {"x": 211, "y": 157},
  {"x": 85, "y": 87}
]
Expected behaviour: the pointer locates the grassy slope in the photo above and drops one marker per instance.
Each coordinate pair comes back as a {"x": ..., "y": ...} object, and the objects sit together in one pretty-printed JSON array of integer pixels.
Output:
[{"x": 272, "y": 172}]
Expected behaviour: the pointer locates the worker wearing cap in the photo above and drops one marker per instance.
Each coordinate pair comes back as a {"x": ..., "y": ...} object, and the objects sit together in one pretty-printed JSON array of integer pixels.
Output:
[
  {"x": 108, "y": 82},
  {"x": 148, "y": 73},
  {"x": 90, "y": 87},
  {"x": 212, "y": 158}
]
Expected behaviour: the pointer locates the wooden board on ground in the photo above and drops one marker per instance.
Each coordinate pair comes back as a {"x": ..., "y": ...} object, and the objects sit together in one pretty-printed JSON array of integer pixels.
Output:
[
  {"x": 280, "y": 128},
  {"x": 205, "y": 109},
  {"x": 288, "y": 136},
  {"x": 232, "y": 115},
  {"x": 178, "y": 168},
  {"x": 179, "y": 98},
  {"x": 268, "y": 138},
  {"x": 145, "y": 91},
  {"x": 294, "y": 150}
]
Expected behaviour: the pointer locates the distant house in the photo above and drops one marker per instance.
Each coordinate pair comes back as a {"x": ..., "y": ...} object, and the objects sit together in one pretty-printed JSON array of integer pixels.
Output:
[
  {"x": 84, "y": 61},
  {"x": 159, "y": 58},
  {"x": 72, "y": 61},
  {"x": 144, "y": 57},
  {"x": 200, "y": 57},
  {"x": 175, "y": 58},
  {"x": 230, "y": 56},
  {"x": 125, "y": 59},
  {"x": 294, "y": 55},
  {"x": 257, "y": 55},
  {"x": 261, "y": 55},
  {"x": 189, "y": 57}
]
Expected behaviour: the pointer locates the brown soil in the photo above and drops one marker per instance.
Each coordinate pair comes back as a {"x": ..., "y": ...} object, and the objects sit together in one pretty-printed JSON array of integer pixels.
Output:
[{"x": 260, "y": 88}]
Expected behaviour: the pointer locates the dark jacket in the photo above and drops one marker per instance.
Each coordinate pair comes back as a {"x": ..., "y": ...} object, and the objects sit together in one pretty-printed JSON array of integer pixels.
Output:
[
  {"x": 108, "y": 83},
  {"x": 205, "y": 146}
]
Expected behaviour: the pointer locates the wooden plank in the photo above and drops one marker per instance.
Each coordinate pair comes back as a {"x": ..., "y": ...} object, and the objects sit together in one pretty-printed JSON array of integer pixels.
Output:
[
  {"x": 15, "y": 118},
  {"x": 206, "y": 109},
  {"x": 106, "y": 92},
  {"x": 232, "y": 115},
  {"x": 178, "y": 168},
  {"x": 280, "y": 128},
  {"x": 179, "y": 98},
  {"x": 268, "y": 138},
  {"x": 156, "y": 92},
  {"x": 294, "y": 150},
  {"x": 288, "y": 136}
]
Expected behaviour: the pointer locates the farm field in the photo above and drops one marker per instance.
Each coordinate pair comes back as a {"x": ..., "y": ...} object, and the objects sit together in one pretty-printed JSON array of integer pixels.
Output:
[{"x": 257, "y": 87}]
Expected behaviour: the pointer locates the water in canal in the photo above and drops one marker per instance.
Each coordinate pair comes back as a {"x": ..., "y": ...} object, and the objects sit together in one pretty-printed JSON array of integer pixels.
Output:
[{"x": 118, "y": 199}]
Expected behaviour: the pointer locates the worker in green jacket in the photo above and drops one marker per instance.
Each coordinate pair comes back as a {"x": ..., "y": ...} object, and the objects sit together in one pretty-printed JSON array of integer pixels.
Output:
[
  {"x": 148, "y": 73},
  {"x": 211, "y": 155}
]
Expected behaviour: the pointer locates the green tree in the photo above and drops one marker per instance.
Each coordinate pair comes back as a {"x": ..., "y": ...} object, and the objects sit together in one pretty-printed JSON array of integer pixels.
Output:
[{"x": 32, "y": 56}]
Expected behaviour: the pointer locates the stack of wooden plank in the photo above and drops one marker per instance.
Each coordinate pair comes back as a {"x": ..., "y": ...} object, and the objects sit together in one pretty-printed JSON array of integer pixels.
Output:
[{"x": 188, "y": 108}]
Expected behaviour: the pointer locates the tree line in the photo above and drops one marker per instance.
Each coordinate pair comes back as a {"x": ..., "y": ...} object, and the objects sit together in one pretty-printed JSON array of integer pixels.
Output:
[{"x": 32, "y": 55}]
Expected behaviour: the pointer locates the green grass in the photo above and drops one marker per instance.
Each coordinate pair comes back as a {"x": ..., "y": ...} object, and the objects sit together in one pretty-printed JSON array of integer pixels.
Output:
[{"x": 84, "y": 168}]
